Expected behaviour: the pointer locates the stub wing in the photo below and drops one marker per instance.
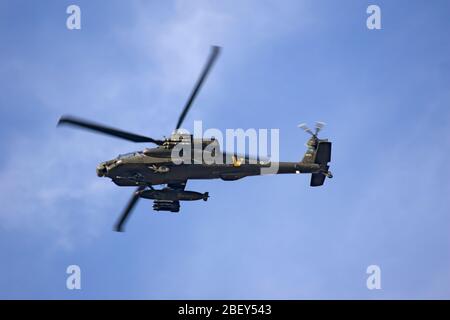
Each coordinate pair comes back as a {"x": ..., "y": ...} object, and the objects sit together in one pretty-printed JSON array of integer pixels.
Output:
[{"x": 177, "y": 186}]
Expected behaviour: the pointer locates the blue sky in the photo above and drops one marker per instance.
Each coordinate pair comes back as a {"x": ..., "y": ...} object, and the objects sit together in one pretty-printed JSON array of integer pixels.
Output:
[{"x": 384, "y": 95}]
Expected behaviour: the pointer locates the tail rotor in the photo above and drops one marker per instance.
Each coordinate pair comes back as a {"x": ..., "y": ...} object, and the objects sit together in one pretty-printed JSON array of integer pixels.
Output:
[
  {"x": 318, "y": 153},
  {"x": 317, "y": 128}
]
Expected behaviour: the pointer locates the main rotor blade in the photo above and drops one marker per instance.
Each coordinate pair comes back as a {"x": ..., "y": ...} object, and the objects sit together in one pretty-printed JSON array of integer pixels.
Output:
[
  {"x": 68, "y": 120},
  {"x": 128, "y": 209},
  {"x": 212, "y": 58}
]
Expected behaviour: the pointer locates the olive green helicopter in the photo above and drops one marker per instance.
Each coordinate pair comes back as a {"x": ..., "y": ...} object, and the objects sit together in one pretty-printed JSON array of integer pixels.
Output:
[{"x": 157, "y": 166}]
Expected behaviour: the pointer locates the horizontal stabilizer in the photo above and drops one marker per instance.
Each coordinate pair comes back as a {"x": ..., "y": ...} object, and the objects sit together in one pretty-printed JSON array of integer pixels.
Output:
[{"x": 317, "y": 179}]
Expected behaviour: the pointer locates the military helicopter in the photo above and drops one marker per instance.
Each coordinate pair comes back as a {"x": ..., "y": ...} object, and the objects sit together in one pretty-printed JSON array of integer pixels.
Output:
[{"x": 156, "y": 166}]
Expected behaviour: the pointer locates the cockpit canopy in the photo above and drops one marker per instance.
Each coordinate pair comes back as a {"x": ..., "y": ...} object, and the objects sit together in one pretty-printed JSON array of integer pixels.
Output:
[
  {"x": 129, "y": 155},
  {"x": 185, "y": 138},
  {"x": 165, "y": 150}
]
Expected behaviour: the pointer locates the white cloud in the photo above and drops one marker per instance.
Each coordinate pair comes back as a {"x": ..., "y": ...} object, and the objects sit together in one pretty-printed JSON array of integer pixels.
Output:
[{"x": 178, "y": 43}]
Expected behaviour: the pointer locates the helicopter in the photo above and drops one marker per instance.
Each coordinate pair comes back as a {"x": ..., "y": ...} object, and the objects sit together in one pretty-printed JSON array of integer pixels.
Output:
[{"x": 157, "y": 166}]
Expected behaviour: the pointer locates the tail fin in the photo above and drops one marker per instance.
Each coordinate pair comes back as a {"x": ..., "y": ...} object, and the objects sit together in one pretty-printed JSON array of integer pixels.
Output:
[
  {"x": 323, "y": 153},
  {"x": 321, "y": 157}
]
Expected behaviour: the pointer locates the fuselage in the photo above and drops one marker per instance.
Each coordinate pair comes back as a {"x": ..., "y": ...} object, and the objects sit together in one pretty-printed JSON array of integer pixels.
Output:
[{"x": 156, "y": 166}]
